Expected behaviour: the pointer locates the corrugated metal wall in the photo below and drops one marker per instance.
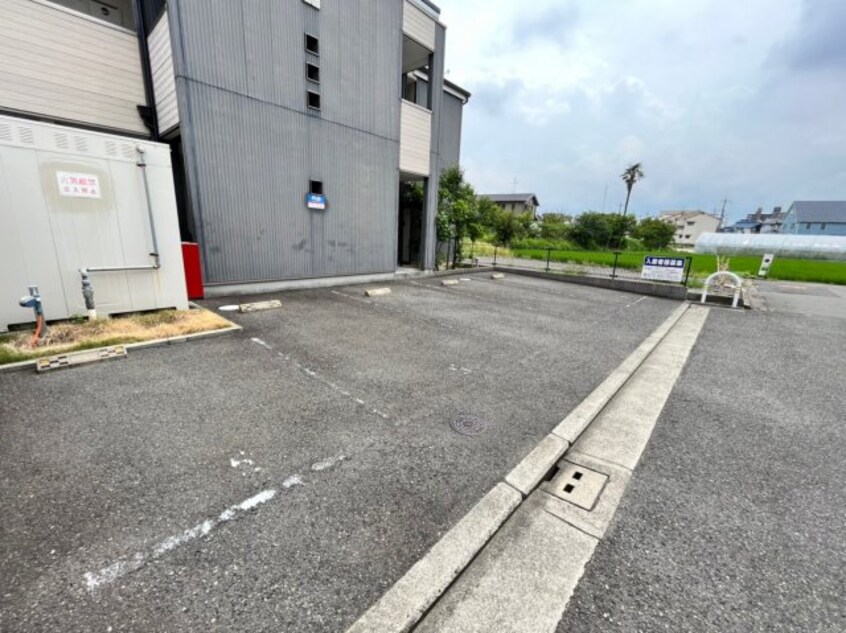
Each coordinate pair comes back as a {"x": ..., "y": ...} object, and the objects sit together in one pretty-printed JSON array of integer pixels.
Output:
[
  {"x": 450, "y": 137},
  {"x": 252, "y": 145}
]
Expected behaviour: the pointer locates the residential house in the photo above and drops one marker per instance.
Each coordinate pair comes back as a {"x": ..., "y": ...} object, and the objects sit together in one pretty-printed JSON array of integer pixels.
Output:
[
  {"x": 758, "y": 222},
  {"x": 805, "y": 217},
  {"x": 517, "y": 203},
  {"x": 690, "y": 225}
]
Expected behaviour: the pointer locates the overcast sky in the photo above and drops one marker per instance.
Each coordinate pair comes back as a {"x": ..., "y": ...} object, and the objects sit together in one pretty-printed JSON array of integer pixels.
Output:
[{"x": 744, "y": 99}]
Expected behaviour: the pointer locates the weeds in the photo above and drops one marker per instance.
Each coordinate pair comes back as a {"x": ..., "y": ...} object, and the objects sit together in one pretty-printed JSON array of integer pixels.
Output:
[{"x": 72, "y": 336}]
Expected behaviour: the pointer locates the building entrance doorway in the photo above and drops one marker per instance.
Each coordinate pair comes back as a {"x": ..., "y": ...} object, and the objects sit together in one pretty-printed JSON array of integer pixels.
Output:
[{"x": 410, "y": 225}]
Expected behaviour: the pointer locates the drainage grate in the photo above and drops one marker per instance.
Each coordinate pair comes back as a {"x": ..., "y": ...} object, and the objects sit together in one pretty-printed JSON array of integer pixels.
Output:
[
  {"x": 468, "y": 424},
  {"x": 577, "y": 484}
]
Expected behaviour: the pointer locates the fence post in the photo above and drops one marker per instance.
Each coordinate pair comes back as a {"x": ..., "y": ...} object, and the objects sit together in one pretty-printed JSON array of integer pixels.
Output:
[
  {"x": 495, "y": 248},
  {"x": 614, "y": 270},
  {"x": 548, "y": 253},
  {"x": 687, "y": 272}
]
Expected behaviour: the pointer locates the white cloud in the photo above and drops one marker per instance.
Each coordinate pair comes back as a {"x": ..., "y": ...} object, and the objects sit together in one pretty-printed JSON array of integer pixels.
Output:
[{"x": 737, "y": 99}]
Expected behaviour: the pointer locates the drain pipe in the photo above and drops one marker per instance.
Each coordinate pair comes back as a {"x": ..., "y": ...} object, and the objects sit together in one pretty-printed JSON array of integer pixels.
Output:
[{"x": 142, "y": 163}]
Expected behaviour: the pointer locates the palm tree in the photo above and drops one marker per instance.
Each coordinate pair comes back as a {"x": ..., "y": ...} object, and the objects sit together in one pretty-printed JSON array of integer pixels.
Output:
[{"x": 632, "y": 174}]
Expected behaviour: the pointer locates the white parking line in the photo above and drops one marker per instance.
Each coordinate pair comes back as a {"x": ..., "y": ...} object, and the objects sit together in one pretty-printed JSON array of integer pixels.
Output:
[
  {"x": 258, "y": 341},
  {"x": 107, "y": 575},
  {"x": 636, "y": 302},
  {"x": 314, "y": 375}
]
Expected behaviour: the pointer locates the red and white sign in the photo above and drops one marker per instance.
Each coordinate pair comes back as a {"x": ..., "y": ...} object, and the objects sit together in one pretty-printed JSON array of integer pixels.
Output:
[{"x": 75, "y": 185}]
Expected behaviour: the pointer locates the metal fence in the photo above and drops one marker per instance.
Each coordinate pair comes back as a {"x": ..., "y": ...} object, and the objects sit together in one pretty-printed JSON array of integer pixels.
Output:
[{"x": 688, "y": 261}]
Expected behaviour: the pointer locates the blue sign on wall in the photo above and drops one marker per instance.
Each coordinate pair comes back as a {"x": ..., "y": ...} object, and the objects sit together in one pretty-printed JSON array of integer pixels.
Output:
[{"x": 316, "y": 201}]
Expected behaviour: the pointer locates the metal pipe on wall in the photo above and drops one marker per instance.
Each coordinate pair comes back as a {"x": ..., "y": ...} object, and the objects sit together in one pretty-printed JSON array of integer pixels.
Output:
[{"x": 142, "y": 163}]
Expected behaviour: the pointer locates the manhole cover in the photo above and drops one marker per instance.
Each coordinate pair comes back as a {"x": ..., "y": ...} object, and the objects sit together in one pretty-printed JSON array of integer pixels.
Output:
[{"x": 468, "y": 424}]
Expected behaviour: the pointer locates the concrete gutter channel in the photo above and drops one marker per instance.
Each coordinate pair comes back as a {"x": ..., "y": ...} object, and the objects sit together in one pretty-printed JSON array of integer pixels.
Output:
[{"x": 513, "y": 561}]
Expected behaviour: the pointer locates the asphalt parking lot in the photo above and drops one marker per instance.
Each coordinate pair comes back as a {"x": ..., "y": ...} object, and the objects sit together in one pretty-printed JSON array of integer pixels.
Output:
[
  {"x": 283, "y": 477},
  {"x": 734, "y": 519}
]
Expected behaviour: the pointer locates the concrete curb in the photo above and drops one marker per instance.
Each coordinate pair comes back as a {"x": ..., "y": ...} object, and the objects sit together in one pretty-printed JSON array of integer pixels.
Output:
[
  {"x": 526, "y": 475},
  {"x": 217, "y": 291},
  {"x": 407, "y": 601},
  {"x": 653, "y": 289},
  {"x": 404, "y": 604},
  {"x": 577, "y": 421},
  {"x": 463, "y": 271},
  {"x": 159, "y": 342}
]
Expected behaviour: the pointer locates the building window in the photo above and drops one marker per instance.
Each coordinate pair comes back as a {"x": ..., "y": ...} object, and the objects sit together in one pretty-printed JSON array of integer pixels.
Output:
[
  {"x": 313, "y": 100},
  {"x": 409, "y": 92},
  {"x": 808, "y": 225},
  {"x": 691, "y": 222},
  {"x": 312, "y": 44},
  {"x": 313, "y": 73},
  {"x": 687, "y": 237},
  {"x": 315, "y": 187},
  {"x": 822, "y": 226}
]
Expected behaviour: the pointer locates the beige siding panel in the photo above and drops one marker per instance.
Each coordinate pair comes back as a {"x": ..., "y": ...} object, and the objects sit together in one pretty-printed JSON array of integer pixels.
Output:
[
  {"x": 419, "y": 26},
  {"x": 164, "y": 82},
  {"x": 16, "y": 95},
  {"x": 415, "y": 139},
  {"x": 66, "y": 66}
]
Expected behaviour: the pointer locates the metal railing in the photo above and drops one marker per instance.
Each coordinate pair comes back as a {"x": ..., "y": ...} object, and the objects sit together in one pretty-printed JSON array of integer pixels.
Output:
[{"x": 614, "y": 265}]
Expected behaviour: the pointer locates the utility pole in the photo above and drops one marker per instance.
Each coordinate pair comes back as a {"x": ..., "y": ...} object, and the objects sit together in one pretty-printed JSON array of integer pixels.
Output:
[{"x": 723, "y": 213}]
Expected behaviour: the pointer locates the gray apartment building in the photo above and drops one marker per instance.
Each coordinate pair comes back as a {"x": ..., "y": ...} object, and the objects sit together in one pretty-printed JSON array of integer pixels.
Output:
[{"x": 293, "y": 124}]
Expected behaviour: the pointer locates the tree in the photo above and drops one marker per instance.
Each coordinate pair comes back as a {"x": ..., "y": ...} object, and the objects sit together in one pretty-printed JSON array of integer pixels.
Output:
[
  {"x": 508, "y": 227},
  {"x": 654, "y": 233},
  {"x": 458, "y": 213},
  {"x": 488, "y": 211},
  {"x": 630, "y": 176},
  {"x": 556, "y": 218},
  {"x": 555, "y": 226},
  {"x": 619, "y": 226},
  {"x": 594, "y": 230}
]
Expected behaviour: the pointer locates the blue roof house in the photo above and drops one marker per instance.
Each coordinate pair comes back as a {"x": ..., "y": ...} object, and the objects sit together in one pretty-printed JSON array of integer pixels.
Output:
[{"x": 816, "y": 218}]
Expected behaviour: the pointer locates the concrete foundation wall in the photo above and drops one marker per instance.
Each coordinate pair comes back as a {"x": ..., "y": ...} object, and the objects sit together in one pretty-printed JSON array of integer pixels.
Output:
[{"x": 668, "y": 291}]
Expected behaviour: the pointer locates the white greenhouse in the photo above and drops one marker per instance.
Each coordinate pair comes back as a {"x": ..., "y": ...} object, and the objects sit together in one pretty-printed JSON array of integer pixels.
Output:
[{"x": 828, "y": 247}]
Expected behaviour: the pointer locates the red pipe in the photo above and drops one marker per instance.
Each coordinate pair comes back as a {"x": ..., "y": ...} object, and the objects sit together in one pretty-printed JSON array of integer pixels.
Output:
[{"x": 39, "y": 323}]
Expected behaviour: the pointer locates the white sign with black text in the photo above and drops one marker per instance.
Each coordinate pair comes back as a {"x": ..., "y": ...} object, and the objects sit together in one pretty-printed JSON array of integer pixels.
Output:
[{"x": 658, "y": 268}]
